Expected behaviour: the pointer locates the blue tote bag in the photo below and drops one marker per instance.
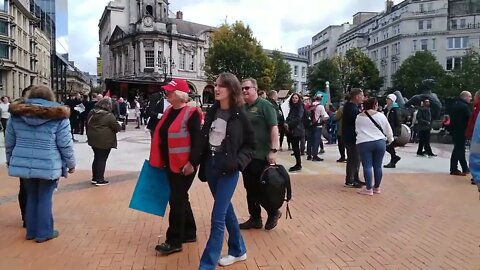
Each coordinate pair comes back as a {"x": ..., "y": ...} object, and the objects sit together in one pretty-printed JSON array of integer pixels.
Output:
[{"x": 152, "y": 191}]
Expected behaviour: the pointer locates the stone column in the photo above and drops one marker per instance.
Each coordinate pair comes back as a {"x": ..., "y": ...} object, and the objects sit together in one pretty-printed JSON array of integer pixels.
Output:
[
  {"x": 155, "y": 56},
  {"x": 142, "y": 57}
]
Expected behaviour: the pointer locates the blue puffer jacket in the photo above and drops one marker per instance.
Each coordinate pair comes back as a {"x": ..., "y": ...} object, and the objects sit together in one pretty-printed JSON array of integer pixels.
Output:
[{"x": 38, "y": 142}]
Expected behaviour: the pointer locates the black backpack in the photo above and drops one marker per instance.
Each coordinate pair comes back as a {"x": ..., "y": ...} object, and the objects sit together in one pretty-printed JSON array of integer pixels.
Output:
[{"x": 276, "y": 188}]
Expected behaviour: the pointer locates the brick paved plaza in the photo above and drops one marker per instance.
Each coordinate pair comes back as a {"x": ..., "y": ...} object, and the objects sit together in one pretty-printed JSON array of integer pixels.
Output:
[{"x": 425, "y": 219}]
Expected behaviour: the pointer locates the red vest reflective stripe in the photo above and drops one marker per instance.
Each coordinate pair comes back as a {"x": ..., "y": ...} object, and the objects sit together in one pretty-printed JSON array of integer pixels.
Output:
[{"x": 178, "y": 141}]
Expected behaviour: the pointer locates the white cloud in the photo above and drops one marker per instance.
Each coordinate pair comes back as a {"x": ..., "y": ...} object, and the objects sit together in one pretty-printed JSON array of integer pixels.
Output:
[
  {"x": 61, "y": 44},
  {"x": 278, "y": 24}
]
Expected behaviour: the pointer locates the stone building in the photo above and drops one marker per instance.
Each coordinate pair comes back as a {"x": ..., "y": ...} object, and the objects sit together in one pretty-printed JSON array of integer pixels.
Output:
[
  {"x": 143, "y": 45},
  {"x": 299, "y": 66}
]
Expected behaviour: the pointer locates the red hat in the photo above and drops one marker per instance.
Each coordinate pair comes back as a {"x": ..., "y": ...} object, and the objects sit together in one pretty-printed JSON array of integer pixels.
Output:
[{"x": 177, "y": 84}]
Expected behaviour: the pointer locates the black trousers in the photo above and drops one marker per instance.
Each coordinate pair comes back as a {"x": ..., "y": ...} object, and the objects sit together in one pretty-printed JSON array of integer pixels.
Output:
[
  {"x": 283, "y": 134},
  {"x": 22, "y": 198},
  {"x": 391, "y": 150},
  {"x": 424, "y": 143},
  {"x": 296, "y": 147},
  {"x": 100, "y": 157},
  {"x": 181, "y": 223},
  {"x": 458, "y": 153},
  {"x": 353, "y": 163},
  {"x": 341, "y": 146},
  {"x": 251, "y": 182},
  {"x": 4, "y": 124}
]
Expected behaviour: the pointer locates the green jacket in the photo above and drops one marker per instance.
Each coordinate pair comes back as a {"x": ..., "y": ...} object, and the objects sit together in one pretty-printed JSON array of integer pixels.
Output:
[
  {"x": 102, "y": 128},
  {"x": 338, "y": 118}
]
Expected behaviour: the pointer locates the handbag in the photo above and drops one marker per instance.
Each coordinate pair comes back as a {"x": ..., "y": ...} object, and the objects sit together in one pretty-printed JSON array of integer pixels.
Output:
[{"x": 152, "y": 191}]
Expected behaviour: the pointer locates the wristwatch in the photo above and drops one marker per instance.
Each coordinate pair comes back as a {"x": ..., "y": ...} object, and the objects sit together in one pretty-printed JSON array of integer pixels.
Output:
[{"x": 273, "y": 150}]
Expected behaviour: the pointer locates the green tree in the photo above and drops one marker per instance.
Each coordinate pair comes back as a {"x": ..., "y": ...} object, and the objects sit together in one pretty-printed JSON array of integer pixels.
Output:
[
  {"x": 356, "y": 69},
  {"x": 281, "y": 72},
  {"x": 235, "y": 50},
  {"x": 416, "y": 68},
  {"x": 322, "y": 72},
  {"x": 467, "y": 76}
]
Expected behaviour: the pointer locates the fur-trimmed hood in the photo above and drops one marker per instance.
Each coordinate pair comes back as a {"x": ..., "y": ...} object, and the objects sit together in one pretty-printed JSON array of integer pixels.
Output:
[{"x": 37, "y": 111}]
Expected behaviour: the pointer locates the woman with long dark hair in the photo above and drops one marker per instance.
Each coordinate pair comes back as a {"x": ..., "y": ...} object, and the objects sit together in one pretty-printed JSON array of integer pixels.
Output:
[
  {"x": 294, "y": 126},
  {"x": 227, "y": 147}
]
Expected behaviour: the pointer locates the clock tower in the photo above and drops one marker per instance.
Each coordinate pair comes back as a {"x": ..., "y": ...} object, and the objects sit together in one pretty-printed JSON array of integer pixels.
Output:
[{"x": 151, "y": 11}]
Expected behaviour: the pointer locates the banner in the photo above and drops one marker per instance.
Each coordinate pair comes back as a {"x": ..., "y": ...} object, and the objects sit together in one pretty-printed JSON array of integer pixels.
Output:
[
  {"x": 99, "y": 66},
  {"x": 152, "y": 191}
]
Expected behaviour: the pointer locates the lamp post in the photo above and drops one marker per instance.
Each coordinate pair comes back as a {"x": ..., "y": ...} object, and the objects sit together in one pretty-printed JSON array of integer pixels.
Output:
[{"x": 327, "y": 90}]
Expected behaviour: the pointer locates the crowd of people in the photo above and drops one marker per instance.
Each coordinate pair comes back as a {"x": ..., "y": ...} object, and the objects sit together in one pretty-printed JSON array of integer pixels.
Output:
[{"x": 240, "y": 134}]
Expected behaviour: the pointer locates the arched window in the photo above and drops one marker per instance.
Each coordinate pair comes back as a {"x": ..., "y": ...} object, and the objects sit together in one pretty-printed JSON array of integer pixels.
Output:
[{"x": 149, "y": 10}]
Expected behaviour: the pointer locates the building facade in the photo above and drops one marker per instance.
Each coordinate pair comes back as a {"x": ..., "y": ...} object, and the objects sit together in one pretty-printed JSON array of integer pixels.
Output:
[
  {"x": 306, "y": 52},
  {"x": 446, "y": 28},
  {"x": 324, "y": 44},
  {"x": 299, "y": 67},
  {"x": 24, "y": 49},
  {"x": 142, "y": 47}
]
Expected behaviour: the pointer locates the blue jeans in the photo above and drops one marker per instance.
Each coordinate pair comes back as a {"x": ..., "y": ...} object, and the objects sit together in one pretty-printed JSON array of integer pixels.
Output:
[
  {"x": 313, "y": 142},
  {"x": 223, "y": 215},
  {"x": 371, "y": 155},
  {"x": 39, "y": 208}
]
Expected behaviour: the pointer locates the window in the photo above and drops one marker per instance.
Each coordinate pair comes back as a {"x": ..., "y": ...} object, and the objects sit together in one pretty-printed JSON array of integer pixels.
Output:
[
  {"x": 3, "y": 27},
  {"x": 149, "y": 10},
  {"x": 192, "y": 62},
  {"x": 303, "y": 71},
  {"x": 463, "y": 23},
  {"x": 295, "y": 71},
  {"x": 414, "y": 45},
  {"x": 422, "y": 8},
  {"x": 3, "y": 50},
  {"x": 182, "y": 59},
  {"x": 396, "y": 48},
  {"x": 149, "y": 59},
  {"x": 295, "y": 86},
  {"x": 454, "y": 62},
  {"x": 453, "y": 24},
  {"x": 434, "y": 44},
  {"x": 458, "y": 42},
  {"x": 424, "y": 44},
  {"x": 394, "y": 67},
  {"x": 420, "y": 25},
  {"x": 4, "y": 5},
  {"x": 429, "y": 24}
]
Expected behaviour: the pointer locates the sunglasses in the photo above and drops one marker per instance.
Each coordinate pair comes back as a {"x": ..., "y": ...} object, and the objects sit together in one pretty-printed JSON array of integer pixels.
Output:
[{"x": 246, "y": 88}]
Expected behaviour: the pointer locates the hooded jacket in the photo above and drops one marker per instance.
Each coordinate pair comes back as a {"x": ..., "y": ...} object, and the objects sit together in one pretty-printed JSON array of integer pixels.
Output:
[
  {"x": 102, "y": 129},
  {"x": 38, "y": 142},
  {"x": 394, "y": 116}
]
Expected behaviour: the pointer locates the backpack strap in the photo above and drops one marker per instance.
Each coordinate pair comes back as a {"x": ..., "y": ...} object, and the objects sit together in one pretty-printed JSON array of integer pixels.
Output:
[
  {"x": 289, "y": 214},
  {"x": 375, "y": 123}
]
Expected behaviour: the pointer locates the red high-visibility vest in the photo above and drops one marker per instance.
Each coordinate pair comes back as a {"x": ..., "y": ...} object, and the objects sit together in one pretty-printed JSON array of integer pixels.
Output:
[{"x": 179, "y": 141}]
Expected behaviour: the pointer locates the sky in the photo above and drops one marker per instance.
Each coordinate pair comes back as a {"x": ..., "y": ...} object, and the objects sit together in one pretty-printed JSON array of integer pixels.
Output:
[{"x": 285, "y": 25}]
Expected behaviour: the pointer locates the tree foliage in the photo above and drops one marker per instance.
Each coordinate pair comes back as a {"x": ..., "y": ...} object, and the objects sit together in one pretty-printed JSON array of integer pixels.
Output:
[
  {"x": 234, "y": 49},
  {"x": 467, "y": 77},
  {"x": 281, "y": 72},
  {"x": 322, "y": 72},
  {"x": 356, "y": 69},
  {"x": 416, "y": 68}
]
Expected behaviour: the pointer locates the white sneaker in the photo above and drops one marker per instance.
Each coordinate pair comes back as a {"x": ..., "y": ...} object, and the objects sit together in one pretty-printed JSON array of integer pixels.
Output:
[{"x": 229, "y": 259}]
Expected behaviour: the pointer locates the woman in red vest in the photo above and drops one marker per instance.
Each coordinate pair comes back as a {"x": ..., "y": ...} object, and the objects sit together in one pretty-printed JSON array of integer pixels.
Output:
[
  {"x": 227, "y": 146},
  {"x": 174, "y": 140}
]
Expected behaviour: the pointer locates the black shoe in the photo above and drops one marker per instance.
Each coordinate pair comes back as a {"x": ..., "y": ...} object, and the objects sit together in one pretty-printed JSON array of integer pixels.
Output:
[
  {"x": 295, "y": 168},
  {"x": 167, "y": 249},
  {"x": 101, "y": 183},
  {"x": 358, "y": 184},
  {"x": 273, "y": 221},
  {"x": 431, "y": 155},
  {"x": 190, "y": 240},
  {"x": 309, "y": 157},
  {"x": 458, "y": 173},
  {"x": 341, "y": 160},
  {"x": 252, "y": 223},
  {"x": 395, "y": 160},
  {"x": 137, "y": 127},
  {"x": 349, "y": 184},
  {"x": 390, "y": 165},
  {"x": 293, "y": 154},
  {"x": 302, "y": 154},
  {"x": 322, "y": 151},
  {"x": 317, "y": 159},
  {"x": 93, "y": 181}
]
